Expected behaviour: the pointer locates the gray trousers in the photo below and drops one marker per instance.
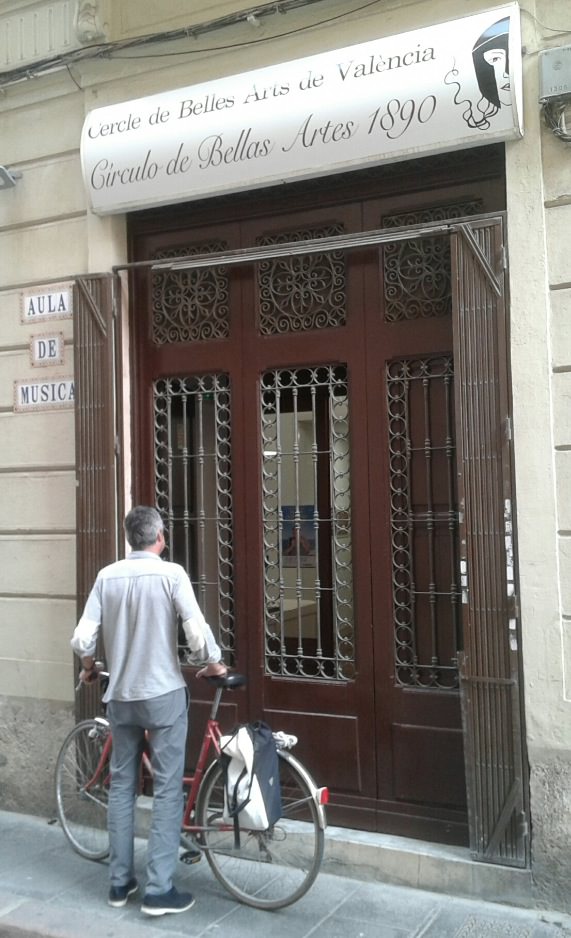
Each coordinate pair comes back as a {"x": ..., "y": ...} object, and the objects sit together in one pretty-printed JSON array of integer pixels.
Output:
[{"x": 165, "y": 719}]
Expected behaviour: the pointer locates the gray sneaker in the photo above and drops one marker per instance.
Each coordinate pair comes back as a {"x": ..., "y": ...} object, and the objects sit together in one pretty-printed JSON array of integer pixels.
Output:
[{"x": 167, "y": 902}]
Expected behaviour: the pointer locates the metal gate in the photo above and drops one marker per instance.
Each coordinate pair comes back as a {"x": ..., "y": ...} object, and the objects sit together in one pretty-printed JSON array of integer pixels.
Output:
[
  {"x": 97, "y": 481},
  {"x": 490, "y": 663}
]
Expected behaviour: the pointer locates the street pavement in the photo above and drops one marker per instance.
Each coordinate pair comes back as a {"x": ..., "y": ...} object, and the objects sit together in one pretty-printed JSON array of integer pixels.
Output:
[{"x": 47, "y": 890}]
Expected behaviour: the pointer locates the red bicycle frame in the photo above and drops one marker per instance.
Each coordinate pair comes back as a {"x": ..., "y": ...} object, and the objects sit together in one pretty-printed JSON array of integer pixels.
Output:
[{"x": 211, "y": 737}]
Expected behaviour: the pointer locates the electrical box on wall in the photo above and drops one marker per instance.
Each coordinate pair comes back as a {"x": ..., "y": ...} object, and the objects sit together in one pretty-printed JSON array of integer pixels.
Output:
[{"x": 554, "y": 73}]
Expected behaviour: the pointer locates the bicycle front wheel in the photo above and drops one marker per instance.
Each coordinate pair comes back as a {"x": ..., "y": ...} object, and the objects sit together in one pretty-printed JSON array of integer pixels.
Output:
[
  {"x": 82, "y": 788},
  {"x": 269, "y": 869}
]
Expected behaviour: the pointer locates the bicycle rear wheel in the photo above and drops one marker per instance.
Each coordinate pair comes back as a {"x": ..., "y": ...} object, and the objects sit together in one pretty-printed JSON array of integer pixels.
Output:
[
  {"x": 270, "y": 869},
  {"x": 82, "y": 788}
]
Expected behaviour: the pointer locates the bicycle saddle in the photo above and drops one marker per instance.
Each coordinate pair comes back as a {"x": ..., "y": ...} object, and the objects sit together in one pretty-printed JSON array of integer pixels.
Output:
[{"x": 230, "y": 681}]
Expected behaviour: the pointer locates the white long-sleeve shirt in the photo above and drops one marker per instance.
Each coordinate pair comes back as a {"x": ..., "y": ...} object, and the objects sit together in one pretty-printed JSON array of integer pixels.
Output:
[{"x": 136, "y": 602}]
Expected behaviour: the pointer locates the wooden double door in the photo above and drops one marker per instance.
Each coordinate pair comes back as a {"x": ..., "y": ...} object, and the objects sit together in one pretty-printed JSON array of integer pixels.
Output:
[{"x": 294, "y": 420}]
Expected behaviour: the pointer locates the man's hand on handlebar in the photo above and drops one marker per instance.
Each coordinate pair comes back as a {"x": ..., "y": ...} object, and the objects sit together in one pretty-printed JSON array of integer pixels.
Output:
[{"x": 89, "y": 675}]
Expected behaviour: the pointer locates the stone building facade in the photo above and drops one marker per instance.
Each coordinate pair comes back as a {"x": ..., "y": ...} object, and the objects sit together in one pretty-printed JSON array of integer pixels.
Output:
[{"x": 61, "y": 60}]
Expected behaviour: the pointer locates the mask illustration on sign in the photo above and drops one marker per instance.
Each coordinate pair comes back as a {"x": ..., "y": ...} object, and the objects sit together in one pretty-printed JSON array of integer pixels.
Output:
[{"x": 490, "y": 56}]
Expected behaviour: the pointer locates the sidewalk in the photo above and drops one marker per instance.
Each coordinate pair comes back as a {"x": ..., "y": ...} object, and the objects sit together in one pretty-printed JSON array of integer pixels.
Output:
[{"x": 47, "y": 890}]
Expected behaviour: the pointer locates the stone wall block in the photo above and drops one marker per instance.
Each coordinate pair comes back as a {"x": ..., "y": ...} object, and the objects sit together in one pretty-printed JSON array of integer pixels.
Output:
[
  {"x": 561, "y": 389},
  {"x": 37, "y": 439},
  {"x": 558, "y": 227},
  {"x": 47, "y": 189},
  {"x": 56, "y": 123},
  {"x": 564, "y": 543},
  {"x": 42, "y": 253},
  {"x": 38, "y": 564},
  {"x": 39, "y": 629},
  {"x": 39, "y": 501},
  {"x": 561, "y": 328},
  {"x": 31, "y": 732},
  {"x": 563, "y": 487},
  {"x": 550, "y": 785}
]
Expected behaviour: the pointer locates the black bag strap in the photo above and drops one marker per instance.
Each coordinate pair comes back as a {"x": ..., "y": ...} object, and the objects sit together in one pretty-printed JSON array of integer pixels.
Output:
[
  {"x": 232, "y": 797},
  {"x": 233, "y": 807}
]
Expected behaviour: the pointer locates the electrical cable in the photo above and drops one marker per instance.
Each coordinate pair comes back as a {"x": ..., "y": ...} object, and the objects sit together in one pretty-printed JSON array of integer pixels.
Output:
[
  {"x": 551, "y": 29},
  {"x": 111, "y": 50},
  {"x": 250, "y": 42},
  {"x": 554, "y": 115}
]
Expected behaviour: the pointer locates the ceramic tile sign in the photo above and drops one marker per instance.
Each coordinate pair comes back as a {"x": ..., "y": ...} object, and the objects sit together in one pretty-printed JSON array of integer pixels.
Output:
[
  {"x": 49, "y": 394},
  {"x": 47, "y": 349},
  {"x": 53, "y": 301}
]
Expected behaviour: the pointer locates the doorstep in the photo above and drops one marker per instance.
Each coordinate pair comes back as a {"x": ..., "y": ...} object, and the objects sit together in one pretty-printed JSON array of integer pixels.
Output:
[
  {"x": 435, "y": 867},
  {"x": 401, "y": 861}
]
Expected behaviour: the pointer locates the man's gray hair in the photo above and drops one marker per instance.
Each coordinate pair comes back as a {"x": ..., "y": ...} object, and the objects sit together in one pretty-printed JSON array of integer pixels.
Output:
[{"x": 142, "y": 526}]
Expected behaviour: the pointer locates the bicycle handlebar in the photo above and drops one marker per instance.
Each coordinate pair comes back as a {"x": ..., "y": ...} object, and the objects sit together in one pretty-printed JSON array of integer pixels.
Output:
[
  {"x": 97, "y": 673},
  {"x": 228, "y": 681}
]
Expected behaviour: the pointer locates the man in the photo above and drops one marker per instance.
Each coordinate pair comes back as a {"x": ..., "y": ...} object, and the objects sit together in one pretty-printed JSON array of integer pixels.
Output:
[{"x": 136, "y": 602}]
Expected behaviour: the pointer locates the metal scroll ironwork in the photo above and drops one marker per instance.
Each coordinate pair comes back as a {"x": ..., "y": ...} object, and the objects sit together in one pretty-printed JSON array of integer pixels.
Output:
[
  {"x": 306, "y": 510},
  {"x": 193, "y": 489},
  {"x": 190, "y": 305},
  {"x": 424, "y": 522},
  {"x": 416, "y": 273},
  {"x": 302, "y": 292}
]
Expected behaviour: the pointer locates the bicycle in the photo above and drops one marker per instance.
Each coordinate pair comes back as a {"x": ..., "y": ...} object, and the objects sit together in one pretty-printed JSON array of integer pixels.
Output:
[{"x": 267, "y": 869}]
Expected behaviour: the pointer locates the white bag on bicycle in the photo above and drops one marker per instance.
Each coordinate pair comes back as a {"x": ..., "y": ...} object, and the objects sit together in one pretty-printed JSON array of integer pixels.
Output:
[{"x": 252, "y": 796}]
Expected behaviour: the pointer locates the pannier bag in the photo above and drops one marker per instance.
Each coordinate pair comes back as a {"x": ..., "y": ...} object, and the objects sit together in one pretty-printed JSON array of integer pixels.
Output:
[{"x": 252, "y": 796}]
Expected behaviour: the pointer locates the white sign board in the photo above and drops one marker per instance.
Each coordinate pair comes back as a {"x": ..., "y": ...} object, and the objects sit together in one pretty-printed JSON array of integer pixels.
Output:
[
  {"x": 456, "y": 84},
  {"x": 54, "y": 301},
  {"x": 47, "y": 349},
  {"x": 51, "y": 394}
]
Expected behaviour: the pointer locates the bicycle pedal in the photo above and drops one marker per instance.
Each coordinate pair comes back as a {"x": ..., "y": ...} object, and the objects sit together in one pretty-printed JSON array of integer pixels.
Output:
[{"x": 191, "y": 856}]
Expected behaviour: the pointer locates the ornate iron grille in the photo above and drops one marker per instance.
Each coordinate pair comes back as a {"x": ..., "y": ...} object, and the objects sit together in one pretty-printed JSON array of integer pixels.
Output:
[
  {"x": 193, "y": 490},
  {"x": 416, "y": 273},
  {"x": 190, "y": 305},
  {"x": 306, "y": 509},
  {"x": 424, "y": 522},
  {"x": 301, "y": 293}
]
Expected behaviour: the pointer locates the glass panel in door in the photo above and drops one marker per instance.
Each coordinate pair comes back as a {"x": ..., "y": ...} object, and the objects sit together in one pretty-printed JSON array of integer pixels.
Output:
[{"x": 306, "y": 516}]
